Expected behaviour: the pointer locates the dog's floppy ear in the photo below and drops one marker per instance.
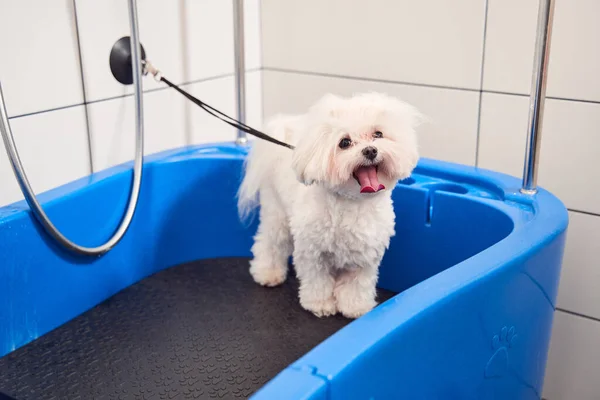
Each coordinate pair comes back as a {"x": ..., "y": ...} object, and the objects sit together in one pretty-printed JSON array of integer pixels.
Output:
[
  {"x": 303, "y": 161},
  {"x": 312, "y": 155}
]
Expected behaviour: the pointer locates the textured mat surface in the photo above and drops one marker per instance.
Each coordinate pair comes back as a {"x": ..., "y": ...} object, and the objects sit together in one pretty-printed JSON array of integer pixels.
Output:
[{"x": 202, "y": 330}]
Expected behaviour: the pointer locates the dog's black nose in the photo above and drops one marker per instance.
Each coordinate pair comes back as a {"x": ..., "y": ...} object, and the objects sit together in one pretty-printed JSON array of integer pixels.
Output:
[{"x": 370, "y": 152}]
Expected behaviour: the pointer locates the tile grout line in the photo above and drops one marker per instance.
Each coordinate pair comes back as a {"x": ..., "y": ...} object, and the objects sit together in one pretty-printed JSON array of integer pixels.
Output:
[
  {"x": 201, "y": 80},
  {"x": 477, "y": 138},
  {"x": 193, "y": 82},
  {"x": 158, "y": 89},
  {"x": 298, "y": 72},
  {"x": 366, "y": 79},
  {"x": 569, "y": 99},
  {"x": 491, "y": 91},
  {"x": 578, "y": 314},
  {"x": 85, "y": 103},
  {"x": 424, "y": 85},
  {"x": 29, "y": 114},
  {"x": 593, "y": 214}
]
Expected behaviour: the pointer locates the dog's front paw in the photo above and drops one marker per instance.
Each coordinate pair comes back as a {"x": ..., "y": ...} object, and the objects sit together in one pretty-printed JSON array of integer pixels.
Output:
[
  {"x": 268, "y": 276},
  {"x": 355, "y": 307},
  {"x": 321, "y": 308}
]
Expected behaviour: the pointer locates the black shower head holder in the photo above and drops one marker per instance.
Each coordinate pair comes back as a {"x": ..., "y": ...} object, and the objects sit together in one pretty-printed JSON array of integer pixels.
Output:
[{"x": 120, "y": 60}]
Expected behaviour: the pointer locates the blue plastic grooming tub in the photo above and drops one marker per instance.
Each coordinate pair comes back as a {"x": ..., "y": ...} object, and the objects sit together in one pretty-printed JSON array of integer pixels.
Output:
[{"x": 474, "y": 263}]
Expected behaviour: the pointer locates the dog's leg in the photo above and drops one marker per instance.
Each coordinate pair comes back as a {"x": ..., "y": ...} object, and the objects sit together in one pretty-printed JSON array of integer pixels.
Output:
[
  {"x": 272, "y": 247},
  {"x": 355, "y": 291},
  {"x": 316, "y": 282}
]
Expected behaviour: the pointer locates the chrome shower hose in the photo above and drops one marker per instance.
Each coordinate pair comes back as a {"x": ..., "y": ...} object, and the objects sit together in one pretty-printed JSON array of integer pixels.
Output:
[{"x": 28, "y": 193}]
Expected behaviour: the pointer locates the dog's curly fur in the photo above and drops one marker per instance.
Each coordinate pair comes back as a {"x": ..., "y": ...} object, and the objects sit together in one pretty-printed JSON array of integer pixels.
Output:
[{"x": 311, "y": 205}]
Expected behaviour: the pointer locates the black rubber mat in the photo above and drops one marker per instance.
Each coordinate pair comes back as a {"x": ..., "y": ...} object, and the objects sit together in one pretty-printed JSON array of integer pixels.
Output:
[{"x": 203, "y": 330}]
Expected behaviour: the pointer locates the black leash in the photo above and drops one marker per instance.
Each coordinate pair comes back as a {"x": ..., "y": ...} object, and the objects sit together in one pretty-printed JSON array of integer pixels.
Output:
[{"x": 220, "y": 115}]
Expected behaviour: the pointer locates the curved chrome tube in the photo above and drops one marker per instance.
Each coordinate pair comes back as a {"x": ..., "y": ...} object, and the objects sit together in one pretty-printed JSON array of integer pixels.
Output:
[{"x": 19, "y": 171}]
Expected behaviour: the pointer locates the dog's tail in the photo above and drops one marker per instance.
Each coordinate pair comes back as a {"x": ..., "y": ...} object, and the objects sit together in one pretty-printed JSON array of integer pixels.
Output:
[{"x": 263, "y": 158}]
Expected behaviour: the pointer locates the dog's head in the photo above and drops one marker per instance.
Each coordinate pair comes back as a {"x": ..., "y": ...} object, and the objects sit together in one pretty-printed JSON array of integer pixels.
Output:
[{"x": 357, "y": 145}]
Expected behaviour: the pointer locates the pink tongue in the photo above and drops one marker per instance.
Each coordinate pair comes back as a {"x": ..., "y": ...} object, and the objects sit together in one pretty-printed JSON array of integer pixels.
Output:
[{"x": 367, "y": 177}]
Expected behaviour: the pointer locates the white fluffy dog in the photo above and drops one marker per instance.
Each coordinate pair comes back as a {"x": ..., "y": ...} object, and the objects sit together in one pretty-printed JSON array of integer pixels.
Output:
[{"x": 328, "y": 202}]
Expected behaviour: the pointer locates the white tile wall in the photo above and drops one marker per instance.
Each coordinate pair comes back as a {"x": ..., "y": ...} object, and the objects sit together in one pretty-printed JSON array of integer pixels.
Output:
[
  {"x": 427, "y": 41},
  {"x": 509, "y": 45},
  {"x": 188, "y": 40},
  {"x": 191, "y": 41},
  {"x": 578, "y": 290},
  {"x": 206, "y": 128},
  {"x": 112, "y": 126},
  {"x": 503, "y": 132},
  {"x": 574, "y": 359},
  {"x": 569, "y": 152},
  {"x": 450, "y": 134},
  {"x": 63, "y": 132},
  {"x": 574, "y": 55},
  {"x": 169, "y": 120},
  {"x": 39, "y": 64}
]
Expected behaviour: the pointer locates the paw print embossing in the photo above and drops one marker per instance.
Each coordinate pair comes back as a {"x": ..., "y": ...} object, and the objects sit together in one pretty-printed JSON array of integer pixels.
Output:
[{"x": 498, "y": 364}]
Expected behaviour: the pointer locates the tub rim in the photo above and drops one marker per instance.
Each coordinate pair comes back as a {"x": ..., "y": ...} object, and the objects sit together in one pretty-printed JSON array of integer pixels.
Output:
[{"x": 550, "y": 219}]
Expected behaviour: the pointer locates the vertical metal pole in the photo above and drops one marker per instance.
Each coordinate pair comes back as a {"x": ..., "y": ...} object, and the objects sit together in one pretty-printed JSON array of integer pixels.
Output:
[
  {"x": 538, "y": 95},
  {"x": 240, "y": 67}
]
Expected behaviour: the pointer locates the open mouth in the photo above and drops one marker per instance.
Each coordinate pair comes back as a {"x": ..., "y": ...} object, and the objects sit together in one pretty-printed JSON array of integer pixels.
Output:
[{"x": 366, "y": 176}]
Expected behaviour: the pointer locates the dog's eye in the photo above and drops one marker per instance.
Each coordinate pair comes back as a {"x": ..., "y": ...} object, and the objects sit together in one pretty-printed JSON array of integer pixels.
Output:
[
  {"x": 345, "y": 143},
  {"x": 378, "y": 134}
]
